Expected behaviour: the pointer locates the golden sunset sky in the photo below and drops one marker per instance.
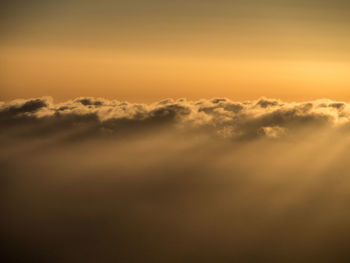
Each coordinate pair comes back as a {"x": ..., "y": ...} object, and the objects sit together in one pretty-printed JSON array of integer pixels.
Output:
[
  {"x": 144, "y": 51},
  {"x": 175, "y": 131}
]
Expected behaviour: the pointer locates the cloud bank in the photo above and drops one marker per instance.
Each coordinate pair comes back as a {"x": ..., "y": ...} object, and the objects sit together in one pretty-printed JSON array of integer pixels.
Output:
[
  {"x": 95, "y": 180},
  {"x": 223, "y": 117}
]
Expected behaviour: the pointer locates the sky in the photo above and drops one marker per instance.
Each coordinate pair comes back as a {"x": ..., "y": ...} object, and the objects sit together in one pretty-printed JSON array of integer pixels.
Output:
[{"x": 144, "y": 51}]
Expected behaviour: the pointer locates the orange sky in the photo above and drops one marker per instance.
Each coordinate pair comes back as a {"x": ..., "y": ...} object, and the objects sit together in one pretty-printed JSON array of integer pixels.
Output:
[{"x": 293, "y": 50}]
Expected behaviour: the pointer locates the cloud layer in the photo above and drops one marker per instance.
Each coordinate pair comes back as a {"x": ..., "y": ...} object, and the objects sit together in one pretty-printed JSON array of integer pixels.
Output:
[
  {"x": 92, "y": 180},
  {"x": 223, "y": 117}
]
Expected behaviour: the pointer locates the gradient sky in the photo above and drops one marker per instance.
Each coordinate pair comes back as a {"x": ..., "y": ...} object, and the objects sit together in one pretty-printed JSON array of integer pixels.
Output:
[{"x": 140, "y": 50}]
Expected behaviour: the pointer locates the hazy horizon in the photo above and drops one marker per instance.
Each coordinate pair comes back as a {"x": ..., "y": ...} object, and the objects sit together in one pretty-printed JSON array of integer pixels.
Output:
[{"x": 146, "y": 51}]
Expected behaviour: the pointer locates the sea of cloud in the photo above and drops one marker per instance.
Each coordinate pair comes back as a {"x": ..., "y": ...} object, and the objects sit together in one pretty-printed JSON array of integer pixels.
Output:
[{"x": 96, "y": 180}]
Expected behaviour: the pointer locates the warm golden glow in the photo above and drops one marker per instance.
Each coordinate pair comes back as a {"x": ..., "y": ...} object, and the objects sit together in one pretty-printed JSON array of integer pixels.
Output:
[
  {"x": 147, "y": 50},
  {"x": 135, "y": 76},
  {"x": 175, "y": 131}
]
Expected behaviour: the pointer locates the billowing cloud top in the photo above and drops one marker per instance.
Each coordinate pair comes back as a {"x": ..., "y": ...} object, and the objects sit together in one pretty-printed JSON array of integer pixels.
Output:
[{"x": 237, "y": 120}]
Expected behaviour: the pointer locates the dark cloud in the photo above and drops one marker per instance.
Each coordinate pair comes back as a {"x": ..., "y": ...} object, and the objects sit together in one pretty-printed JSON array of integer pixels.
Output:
[
  {"x": 264, "y": 103},
  {"x": 16, "y": 107},
  {"x": 90, "y": 102}
]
